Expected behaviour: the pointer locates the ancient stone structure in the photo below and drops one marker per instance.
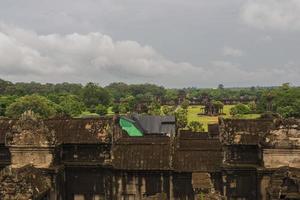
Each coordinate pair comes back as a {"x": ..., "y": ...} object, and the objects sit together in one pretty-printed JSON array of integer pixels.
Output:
[
  {"x": 284, "y": 184},
  {"x": 93, "y": 159},
  {"x": 210, "y": 107},
  {"x": 255, "y": 151},
  {"x": 31, "y": 142},
  {"x": 24, "y": 183}
]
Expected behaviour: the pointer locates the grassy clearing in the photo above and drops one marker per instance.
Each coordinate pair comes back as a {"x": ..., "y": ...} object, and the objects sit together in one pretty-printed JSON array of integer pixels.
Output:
[
  {"x": 193, "y": 112},
  {"x": 109, "y": 111},
  {"x": 87, "y": 114},
  {"x": 248, "y": 116}
]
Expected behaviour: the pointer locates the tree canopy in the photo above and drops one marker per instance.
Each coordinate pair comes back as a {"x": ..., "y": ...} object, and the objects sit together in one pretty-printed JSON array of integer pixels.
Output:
[
  {"x": 38, "y": 104},
  {"x": 73, "y": 99}
]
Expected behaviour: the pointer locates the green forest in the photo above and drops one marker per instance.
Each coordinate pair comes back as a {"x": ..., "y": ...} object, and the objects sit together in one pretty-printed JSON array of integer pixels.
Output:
[{"x": 92, "y": 100}]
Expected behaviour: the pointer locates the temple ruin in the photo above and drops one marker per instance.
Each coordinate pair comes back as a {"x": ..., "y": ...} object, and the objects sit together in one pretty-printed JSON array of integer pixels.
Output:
[{"x": 96, "y": 159}]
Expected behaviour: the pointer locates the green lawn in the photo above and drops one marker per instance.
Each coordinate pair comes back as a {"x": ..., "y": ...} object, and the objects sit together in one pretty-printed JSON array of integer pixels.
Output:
[
  {"x": 87, "y": 114},
  {"x": 109, "y": 111},
  {"x": 193, "y": 112}
]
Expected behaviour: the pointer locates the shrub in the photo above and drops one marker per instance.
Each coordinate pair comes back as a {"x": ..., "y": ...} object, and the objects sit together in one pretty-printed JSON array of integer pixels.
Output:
[
  {"x": 154, "y": 108},
  {"x": 185, "y": 104},
  {"x": 240, "y": 109},
  {"x": 181, "y": 118},
  {"x": 168, "y": 110},
  {"x": 252, "y": 106},
  {"x": 195, "y": 126},
  {"x": 116, "y": 108},
  {"x": 101, "y": 110}
]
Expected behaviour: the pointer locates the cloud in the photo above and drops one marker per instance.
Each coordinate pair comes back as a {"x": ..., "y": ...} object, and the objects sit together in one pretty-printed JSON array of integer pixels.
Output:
[
  {"x": 229, "y": 51},
  {"x": 266, "y": 38},
  {"x": 28, "y": 56},
  {"x": 90, "y": 55},
  {"x": 231, "y": 72},
  {"x": 272, "y": 14}
]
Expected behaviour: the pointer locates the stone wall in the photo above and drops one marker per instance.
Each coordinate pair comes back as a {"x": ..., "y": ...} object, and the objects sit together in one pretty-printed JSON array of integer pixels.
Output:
[
  {"x": 23, "y": 183},
  {"x": 83, "y": 158},
  {"x": 275, "y": 158},
  {"x": 38, "y": 157}
]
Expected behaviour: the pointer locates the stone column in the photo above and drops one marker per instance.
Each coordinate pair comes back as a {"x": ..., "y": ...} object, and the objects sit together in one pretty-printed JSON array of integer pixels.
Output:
[
  {"x": 171, "y": 188},
  {"x": 264, "y": 183}
]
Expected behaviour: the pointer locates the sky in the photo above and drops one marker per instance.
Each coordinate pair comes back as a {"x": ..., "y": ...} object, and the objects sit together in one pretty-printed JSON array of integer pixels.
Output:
[{"x": 174, "y": 43}]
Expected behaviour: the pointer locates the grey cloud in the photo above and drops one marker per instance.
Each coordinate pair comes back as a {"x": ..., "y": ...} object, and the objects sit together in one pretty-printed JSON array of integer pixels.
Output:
[
  {"x": 229, "y": 51},
  {"x": 170, "y": 42},
  {"x": 263, "y": 75},
  {"x": 92, "y": 54},
  {"x": 272, "y": 14},
  {"x": 97, "y": 57},
  {"x": 266, "y": 38}
]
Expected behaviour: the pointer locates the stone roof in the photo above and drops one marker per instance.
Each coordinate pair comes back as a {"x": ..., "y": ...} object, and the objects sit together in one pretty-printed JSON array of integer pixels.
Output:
[
  {"x": 194, "y": 152},
  {"x": 142, "y": 153},
  {"x": 84, "y": 131},
  {"x": 69, "y": 131}
]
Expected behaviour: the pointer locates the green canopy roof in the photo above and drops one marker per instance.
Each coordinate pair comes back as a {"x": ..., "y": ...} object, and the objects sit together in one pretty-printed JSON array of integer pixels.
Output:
[{"x": 129, "y": 126}]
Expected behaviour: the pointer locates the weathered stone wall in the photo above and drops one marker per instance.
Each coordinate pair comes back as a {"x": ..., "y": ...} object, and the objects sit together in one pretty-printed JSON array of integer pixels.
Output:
[
  {"x": 242, "y": 131},
  {"x": 86, "y": 153},
  {"x": 281, "y": 145},
  {"x": 23, "y": 184},
  {"x": 133, "y": 185},
  {"x": 241, "y": 154},
  {"x": 240, "y": 183},
  {"x": 284, "y": 135},
  {"x": 275, "y": 158},
  {"x": 284, "y": 184},
  {"x": 30, "y": 142},
  {"x": 189, "y": 166},
  {"x": 38, "y": 157},
  {"x": 30, "y": 131}
]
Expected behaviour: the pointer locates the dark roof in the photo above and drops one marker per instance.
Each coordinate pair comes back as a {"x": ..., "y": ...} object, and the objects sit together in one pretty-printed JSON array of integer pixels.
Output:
[
  {"x": 196, "y": 153},
  {"x": 192, "y": 153},
  {"x": 155, "y": 124},
  {"x": 93, "y": 130},
  {"x": 142, "y": 153},
  {"x": 197, "y": 160}
]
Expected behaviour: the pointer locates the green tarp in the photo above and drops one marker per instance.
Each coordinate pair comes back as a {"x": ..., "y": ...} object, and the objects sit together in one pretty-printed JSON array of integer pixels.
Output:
[{"x": 129, "y": 126}]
